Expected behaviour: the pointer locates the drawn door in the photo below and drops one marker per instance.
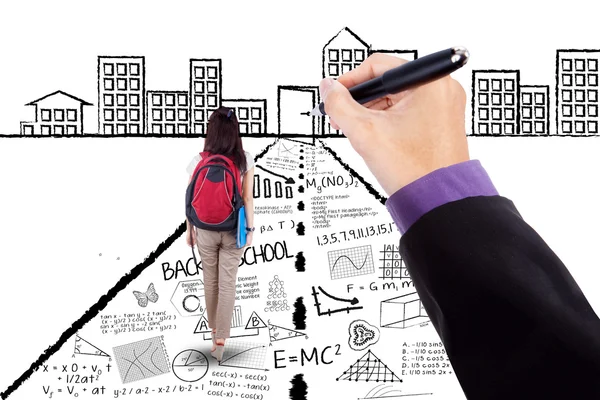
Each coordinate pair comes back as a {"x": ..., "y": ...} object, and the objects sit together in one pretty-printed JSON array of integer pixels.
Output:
[{"x": 295, "y": 104}]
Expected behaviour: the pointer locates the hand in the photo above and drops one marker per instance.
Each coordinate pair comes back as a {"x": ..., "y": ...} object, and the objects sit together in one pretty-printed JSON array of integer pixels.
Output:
[
  {"x": 190, "y": 239},
  {"x": 249, "y": 238},
  {"x": 401, "y": 137}
]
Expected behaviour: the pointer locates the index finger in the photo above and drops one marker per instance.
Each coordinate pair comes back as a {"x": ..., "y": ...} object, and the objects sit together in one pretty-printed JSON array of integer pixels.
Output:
[{"x": 375, "y": 65}]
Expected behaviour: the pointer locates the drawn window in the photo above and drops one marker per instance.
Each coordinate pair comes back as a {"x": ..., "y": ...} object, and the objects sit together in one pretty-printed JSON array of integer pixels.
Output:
[
  {"x": 496, "y": 114},
  {"x": 567, "y": 65},
  {"x": 71, "y": 115},
  {"x": 199, "y": 100},
  {"x": 157, "y": 114},
  {"x": 243, "y": 113},
  {"x": 346, "y": 55},
  {"x": 484, "y": 85},
  {"x": 567, "y": 80},
  {"x": 134, "y": 128},
  {"x": 121, "y": 129},
  {"x": 254, "y": 127},
  {"x": 567, "y": 110},
  {"x": 579, "y": 64},
  {"x": 359, "y": 55},
  {"x": 255, "y": 113},
  {"x": 526, "y": 127},
  {"x": 134, "y": 99},
  {"x": 157, "y": 128},
  {"x": 211, "y": 72},
  {"x": 121, "y": 84},
  {"x": 134, "y": 84},
  {"x": 509, "y": 85},
  {"x": 580, "y": 110},
  {"x": 509, "y": 114},
  {"x": 539, "y": 112},
  {"x": 592, "y": 95},
  {"x": 27, "y": 129},
  {"x": 109, "y": 69},
  {"x": 579, "y": 80},
  {"x": 496, "y": 129},
  {"x": 182, "y": 99},
  {"x": 592, "y": 64},
  {"x": 211, "y": 87},
  {"x": 483, "y": 129},
  {"x": 156, "y": 100},
  {"x": 212, "y": 101},
  {"x": 199, "y": 87},
  {"x": 334, "y": 55},
  {"x": 540, "y": 98},
  {"x": 183, "y": 115},
  {"x": 121, "y": 100},
  {"x": 108, "y": 129},
  {"x": 134, "y": 69},
  {"x": 496, "y": 99},
  {"x": 121, "y": 69},
  {"x": 109, "y": 115},
  {"x": 109, "y": 100},
  {"x": 540, "y": 127},
  {"x": 109, "y": 84},
  {"x": 509, "y": 99},
  {"x": 169, "y": 100},
  {"x": 527, "y": 112},
  {"x": 509, "y": 129},
  {"x": 483, "y": 99},
  {"x": 592, "y": 79},
  {"x": 580, "y": 95},
  {"x": 243, "y": 127},
  {"x": 579, "y": 127},
  {"x": 567, "y": 95},
  {"x": 496, "y": 84},
  {"x": 134, "y": 114},
  {"x": 334, "y": 69},
  {"x": 199, "y": 115},
  {"x": 46, "y": 115},
  {"x": 567, "y": 127},
  {"x": 199, "y": 128},
  {"x": 199, "y": 72},
  {"x": 59, "y": 129},
  {"x": 592, "y": 126},
  {"x": 346, "y": 68},
  {"x": 122, "y": 115},
  {"x": 45, "y": 129},
  {"x": 71, "y": 129},
  {"x": 170, "y": 129},
  {"x": 592, "y": 110},
  {"x": 170, "y": 114},
  {"x": 182, "y": 128},
  {"x": 526, "y": 99}
]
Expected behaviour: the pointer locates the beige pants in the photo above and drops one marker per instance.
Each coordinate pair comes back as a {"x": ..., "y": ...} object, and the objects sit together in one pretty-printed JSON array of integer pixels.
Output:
[{"x": 220, "y": 262}]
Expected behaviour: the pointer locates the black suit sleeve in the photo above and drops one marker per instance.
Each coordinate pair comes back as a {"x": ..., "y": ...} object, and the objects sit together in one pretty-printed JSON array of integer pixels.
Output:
[{"x": 514, "y": 322}]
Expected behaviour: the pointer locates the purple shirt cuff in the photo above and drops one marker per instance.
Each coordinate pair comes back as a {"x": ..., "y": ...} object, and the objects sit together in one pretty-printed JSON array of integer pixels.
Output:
[{"x": 444, "y": 185}]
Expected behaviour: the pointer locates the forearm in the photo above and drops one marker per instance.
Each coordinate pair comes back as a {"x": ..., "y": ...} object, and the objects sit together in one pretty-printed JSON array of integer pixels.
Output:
[{"x": 249, "y": 205}]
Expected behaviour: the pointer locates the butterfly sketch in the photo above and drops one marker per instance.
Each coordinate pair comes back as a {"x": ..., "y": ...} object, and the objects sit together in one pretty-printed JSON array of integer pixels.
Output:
[{"x": 143, "y": 298}]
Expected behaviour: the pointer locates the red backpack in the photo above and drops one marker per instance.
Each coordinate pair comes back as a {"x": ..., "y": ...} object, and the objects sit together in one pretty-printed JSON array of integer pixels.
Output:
[{"x": 213, "y": 197}]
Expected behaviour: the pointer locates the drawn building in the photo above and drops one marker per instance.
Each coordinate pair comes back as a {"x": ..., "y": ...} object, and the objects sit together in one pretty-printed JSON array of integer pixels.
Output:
[
  {"x": 535, "y": 119},
  {"x": 57, "y": 113},
  {"x": 167, "y": 112},
  {"x": 495, "y": 101},
  {"x": 121, "y": 93},
  {"x": 205, "y": 92},
  {"x": 577, "y": 92},
  {"x": 251, "y": 114}
]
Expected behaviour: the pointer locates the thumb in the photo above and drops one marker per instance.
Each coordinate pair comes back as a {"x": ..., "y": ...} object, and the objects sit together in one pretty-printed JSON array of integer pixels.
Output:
[{"x": 341, "y": 107}]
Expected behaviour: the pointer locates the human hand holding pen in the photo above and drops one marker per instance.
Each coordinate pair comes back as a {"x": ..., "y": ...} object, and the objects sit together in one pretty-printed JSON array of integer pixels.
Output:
[{"x": 404, "y": 136}]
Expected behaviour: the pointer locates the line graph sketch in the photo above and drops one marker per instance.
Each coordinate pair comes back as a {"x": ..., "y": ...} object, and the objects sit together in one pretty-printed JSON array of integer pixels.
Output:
[
  {"x": 287, "y": 149},
  {"x": 354, "y": 261},
  {"x": 244, "y": 355},
  {"x": 369, "y": 368},
  {"x": 140, "y": 360},
  {"x": 321, "y": 311},
  {"x": 383, "y": 391}
]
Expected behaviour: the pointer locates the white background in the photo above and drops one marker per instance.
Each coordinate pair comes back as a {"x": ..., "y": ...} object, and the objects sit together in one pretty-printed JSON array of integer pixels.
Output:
[{"x": 65, "y": 201}]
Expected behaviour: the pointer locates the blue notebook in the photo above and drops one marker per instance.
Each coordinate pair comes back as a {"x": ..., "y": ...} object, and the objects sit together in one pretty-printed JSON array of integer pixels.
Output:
[{"x": 241, "y": 228}]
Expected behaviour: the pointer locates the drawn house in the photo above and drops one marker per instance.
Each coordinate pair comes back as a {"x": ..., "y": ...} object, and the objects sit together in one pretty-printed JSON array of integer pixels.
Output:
[
  {"x": 535, "y": 119},
  {"x": 121, "y": 93},
  {"x": 577, "y": 92},
  {"x": 495, "y": 101},
  {"x": 57, "y": 113},
  {"x": 251, "y": 114},
  {"x": 205, "y": 92},
  {"x": 168, "y": 112}
]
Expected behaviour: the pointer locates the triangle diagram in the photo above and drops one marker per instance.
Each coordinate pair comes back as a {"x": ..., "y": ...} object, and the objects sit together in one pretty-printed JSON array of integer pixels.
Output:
[
  {"x": 202, "y": 326},
  {"x": 255, "y": 322},
  {"x": 369, "y": 368},
  {"x": 82, "y": 346},
  {"x": 280, "y": 333}
]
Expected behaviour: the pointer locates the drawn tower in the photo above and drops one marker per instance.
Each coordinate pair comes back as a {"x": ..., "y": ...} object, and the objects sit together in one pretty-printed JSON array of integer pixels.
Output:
[{"x": 205, "y": 92}]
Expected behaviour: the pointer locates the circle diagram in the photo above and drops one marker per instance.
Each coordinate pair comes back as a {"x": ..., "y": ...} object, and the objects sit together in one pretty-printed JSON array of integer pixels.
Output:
[{"x": 190, "y": 365}]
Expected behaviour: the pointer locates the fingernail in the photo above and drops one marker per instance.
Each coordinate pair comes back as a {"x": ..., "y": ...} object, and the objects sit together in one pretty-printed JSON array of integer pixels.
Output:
[{"x": 324, "y": 87}]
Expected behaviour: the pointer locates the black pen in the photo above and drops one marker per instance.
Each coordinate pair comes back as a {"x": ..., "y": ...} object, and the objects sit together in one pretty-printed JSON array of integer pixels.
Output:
[{"x": 413, "y": 73}]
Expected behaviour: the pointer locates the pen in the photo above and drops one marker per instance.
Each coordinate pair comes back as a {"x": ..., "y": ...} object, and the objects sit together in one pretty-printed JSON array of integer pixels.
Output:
[{"x": 413, "y": 73}]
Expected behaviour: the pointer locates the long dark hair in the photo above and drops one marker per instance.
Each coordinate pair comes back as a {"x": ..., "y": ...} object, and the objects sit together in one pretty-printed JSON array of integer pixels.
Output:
[{"x": 223, "y": 137}]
